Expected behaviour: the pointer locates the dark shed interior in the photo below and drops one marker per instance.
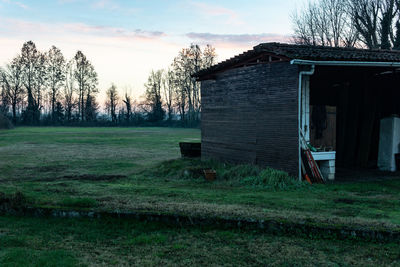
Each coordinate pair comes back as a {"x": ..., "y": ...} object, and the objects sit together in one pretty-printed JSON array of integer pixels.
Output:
[{"x": 360, "y": 97}]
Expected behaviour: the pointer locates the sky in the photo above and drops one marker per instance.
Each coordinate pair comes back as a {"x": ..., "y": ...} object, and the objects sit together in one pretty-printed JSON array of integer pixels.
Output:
[{"x": 125, "y": 40}]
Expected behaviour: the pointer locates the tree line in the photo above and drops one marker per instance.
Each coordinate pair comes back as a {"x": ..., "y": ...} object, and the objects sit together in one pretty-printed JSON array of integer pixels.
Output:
[
  {"x": 172, "y": 95},
  {"x": 373, "y": 24},
  {"x": 43, "y": 88}
]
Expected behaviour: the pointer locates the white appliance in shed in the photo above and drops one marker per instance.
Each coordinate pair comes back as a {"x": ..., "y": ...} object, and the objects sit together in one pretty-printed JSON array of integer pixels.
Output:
[{"x": 389, "y": 142}]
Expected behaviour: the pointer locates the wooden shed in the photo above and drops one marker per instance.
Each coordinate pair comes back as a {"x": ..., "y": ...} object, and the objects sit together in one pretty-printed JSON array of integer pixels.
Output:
[{"x": 255, "y": 105}]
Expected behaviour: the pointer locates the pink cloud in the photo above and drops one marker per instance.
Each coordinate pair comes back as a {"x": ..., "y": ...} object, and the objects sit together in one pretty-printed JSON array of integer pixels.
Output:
[
  {"x": 23, "y": 28},
  {"x": 117, "y": 53},
  {"x": 237, "y": 40},
  {"x": 114, "y": 32},
  {"x": 20, "y": 4}
]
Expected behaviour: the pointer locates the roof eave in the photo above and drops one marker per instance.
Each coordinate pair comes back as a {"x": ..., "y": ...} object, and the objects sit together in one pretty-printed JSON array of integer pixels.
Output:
[{"x": 345, "y": 63}]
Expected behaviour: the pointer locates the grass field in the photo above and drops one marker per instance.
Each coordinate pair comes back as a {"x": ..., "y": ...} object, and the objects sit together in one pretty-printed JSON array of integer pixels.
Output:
[
  {"x": 133, "y": 169},
  {"x": 138, "y": 169},
  {"x": 85, "y": 242}
]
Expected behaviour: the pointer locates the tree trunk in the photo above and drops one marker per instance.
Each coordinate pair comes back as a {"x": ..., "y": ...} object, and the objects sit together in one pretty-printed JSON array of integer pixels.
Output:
[
  {"x": 14, "y": 111},
  {"x": 82, "y": 108},
  {"x": 53, "y": 100}
]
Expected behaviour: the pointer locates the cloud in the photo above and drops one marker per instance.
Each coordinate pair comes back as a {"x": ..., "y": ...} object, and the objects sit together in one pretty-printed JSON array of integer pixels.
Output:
[
  {"x": 120, "y": 55},
  {"x": 114, "y": 32},
  {"x": 105, "y": 4},
  {"x": 23, "y": 28},
  {"x": 237, "y": 39},
  {"x": 113, "y": 6},
  {"x": 118, "y": 7},
  {"x": 19, "y": 4},
  {"x": 208, "y": 10},
  {"x": 62, "y": 2}
]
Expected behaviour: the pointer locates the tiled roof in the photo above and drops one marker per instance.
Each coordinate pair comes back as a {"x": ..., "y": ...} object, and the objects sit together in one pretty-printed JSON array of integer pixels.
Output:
[{"x": 306, "y": 52}]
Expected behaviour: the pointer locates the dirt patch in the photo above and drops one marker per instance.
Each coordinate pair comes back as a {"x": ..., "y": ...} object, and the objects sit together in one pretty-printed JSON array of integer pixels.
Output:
[
  {"x": 66, "y": 190},
  {"x": 84, "y": 177},
  {"x": 344, "y": 200},
  {"x": 92, "y": 177},
  {"x": 42, "y": 169}
]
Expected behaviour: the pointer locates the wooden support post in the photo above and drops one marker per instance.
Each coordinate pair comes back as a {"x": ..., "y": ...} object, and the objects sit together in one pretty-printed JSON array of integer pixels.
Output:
[
  {"x": 341, "y": 122},
  {"x": 367, "y": 123},
  {"x": 352, "y": 125}
]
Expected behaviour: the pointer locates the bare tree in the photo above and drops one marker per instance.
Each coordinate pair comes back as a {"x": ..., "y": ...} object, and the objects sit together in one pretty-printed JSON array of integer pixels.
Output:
[
  {"x": 351, "y": 36},
  {"x": 56, "y": 75},
  {"x": 209, "y": 56},
  {"x": 41, "y": 81},
  {"x": 86, "y": 78},
  {"x": 34, "y": 76},
  {"x": 180, "y": 87},
  {"x": 187, "y": 97},
  {"x": 169, "y": 90},
  {"x": 128, "y": 104},
  {"x": 377, "y": 21},
  {"x": 365, "y": 14},
  {"x": 153, "y": 96},
  {"x": 362, "y": 23},
  {"x": 326, "y": 23},
  {"x": 305, "y": 26},
  {"x": 4, "y": 99},
  {"x": 69, "y": 89},
  {"x": 112, "y": 102},
  {"x": 12, "y": 83},
  {"x": 390, "y": 10}
]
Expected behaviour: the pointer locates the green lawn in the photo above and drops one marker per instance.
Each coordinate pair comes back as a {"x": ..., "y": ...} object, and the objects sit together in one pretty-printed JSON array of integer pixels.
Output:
[
  {"x": 139, "y": 169},
  {"x": 132, "y": 169},
  {"x": 88, "y": 242}
]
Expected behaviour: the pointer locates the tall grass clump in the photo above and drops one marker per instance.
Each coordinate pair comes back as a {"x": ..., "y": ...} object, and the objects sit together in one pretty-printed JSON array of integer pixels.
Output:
[
  {"x": 271, "y": 178},
  {"x": 227, "y": 174},
  {"x": 230, "y": 172}
]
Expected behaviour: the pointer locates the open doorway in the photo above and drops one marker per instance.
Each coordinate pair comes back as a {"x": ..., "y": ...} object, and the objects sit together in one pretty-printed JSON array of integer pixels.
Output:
[{"x": 346, "y": 106}]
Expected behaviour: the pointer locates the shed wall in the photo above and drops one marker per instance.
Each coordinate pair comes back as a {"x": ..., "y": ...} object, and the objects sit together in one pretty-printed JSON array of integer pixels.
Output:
[{"x": 249, "y": 115}]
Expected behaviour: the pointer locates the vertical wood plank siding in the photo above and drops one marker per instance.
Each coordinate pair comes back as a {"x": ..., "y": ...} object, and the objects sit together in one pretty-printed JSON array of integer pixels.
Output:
[{"x": 249, "y": 115}]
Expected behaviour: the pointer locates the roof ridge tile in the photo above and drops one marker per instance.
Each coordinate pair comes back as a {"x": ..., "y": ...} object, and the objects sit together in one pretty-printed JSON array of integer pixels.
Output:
[{"x": 307, "y": 52}]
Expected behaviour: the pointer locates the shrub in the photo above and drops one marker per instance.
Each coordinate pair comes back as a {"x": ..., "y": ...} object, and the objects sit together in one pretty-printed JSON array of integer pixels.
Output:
[{"x": 5, "y": 123}]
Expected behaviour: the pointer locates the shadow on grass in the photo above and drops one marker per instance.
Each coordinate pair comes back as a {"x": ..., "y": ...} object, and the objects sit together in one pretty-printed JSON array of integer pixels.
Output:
[{"x": 31, "y": 257}]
